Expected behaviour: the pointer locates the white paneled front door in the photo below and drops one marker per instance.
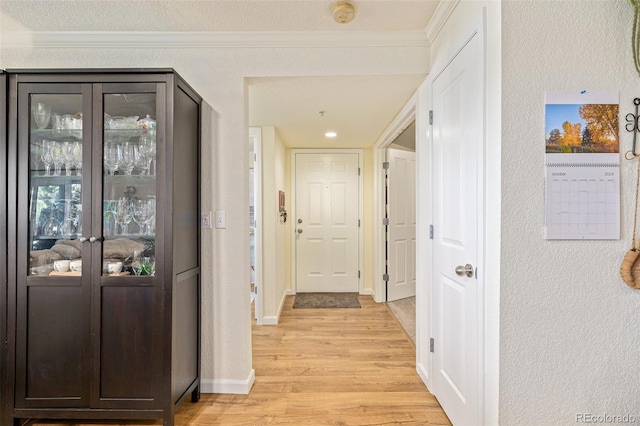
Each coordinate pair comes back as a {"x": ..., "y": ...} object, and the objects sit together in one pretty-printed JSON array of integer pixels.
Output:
[
  {"x": 457, "y": 184},
  {"x": 327, "y": 222},
  {"x": 401, "y": 212}
]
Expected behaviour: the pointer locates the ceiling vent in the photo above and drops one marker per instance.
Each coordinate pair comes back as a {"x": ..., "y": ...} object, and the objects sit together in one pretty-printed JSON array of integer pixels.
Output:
[{"x": 343, "y": 12}]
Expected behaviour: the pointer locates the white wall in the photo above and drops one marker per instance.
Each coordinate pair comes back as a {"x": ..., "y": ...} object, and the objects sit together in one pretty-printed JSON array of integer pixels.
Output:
[
  {"x": 274, "y": 241},
  {"x": 218, "y": 74},
  {"x": 570, "y": 328}
]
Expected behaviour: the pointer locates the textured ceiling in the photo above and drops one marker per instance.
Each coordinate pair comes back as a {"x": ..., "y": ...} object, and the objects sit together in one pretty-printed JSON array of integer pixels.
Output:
[
  {"x": 359, "y": 107},
  {"x": 214, "y": 15}
]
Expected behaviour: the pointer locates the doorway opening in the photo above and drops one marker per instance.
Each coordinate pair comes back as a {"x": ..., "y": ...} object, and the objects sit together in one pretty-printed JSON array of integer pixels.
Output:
[
  {"x": 400, "y": 229},
  {"x": 255, "y": 218}
]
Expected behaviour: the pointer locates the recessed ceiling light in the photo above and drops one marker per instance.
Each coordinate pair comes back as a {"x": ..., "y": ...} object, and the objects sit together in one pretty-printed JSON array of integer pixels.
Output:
[{"x": 330, "y": 134}]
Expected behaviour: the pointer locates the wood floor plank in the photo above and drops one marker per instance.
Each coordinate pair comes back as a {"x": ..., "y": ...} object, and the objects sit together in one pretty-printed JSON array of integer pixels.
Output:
[{"x": 322, "y": 367}]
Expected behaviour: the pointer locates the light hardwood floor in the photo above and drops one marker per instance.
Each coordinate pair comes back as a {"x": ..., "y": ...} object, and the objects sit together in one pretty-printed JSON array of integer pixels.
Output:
[{"x": 323, "y": 367}]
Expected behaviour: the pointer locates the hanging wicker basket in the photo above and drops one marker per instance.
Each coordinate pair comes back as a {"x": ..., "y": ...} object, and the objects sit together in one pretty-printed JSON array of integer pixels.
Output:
[{"x": 630, "y": 268}]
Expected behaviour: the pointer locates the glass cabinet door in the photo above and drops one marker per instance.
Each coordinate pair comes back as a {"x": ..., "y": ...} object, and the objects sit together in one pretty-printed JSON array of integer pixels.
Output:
[
  {"x": 129, "y": 184},
  {"x": 55, "y": 184}
]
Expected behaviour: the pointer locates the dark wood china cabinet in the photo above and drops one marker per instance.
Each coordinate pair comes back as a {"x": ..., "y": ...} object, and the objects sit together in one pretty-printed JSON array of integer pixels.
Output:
[{"x": 101, "y": 298}]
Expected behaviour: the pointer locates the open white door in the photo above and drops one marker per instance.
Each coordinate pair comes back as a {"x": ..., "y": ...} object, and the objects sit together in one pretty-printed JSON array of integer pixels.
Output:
[
  {"x": 401, "y": 231},
  {"x": 327, "y": 222},
  {"x": 457, "y": 185}
]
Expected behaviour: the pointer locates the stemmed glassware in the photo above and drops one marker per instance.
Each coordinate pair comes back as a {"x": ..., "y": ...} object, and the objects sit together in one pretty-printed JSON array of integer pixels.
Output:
[
  {"x": 124, "y": 214},
  {"x": 68, "y": 226},
  {"x": 144, "y": 211},
  {"x": 148, "y": 147},
  {"x": 111, "y": 158},
  {"x": 67, "y": 154},
  {"x": 143, "y": 162},
  {"x": 47, "y": 155},
  {"x": 76, "y": 157},
  {"x": 41, "y": 114},
  {"x": 58, "y": 158},
  {"x": 127, "y": 158}
]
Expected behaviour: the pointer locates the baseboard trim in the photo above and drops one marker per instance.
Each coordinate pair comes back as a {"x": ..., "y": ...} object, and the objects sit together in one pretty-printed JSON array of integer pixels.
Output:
[
  {"x": 368, "y": 292},
  {"x": 241, "y": 387},
  {"x": 270, "y": 320},
  {"x": 422, "y": 372}
]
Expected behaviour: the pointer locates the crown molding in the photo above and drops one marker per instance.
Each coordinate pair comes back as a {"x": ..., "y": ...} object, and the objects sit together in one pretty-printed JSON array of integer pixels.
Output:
[
  {"x": 440, "y": 16},
  {"x": 255, "y": 39}
]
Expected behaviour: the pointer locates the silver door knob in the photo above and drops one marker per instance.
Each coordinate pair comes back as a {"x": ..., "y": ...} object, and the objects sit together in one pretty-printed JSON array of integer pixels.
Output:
[
  {"x": 92, "y": 239},
  {"x": 465, "y": 270},
  {"x": 299, "y": 230},
  {"x": 82, "y": 239}
]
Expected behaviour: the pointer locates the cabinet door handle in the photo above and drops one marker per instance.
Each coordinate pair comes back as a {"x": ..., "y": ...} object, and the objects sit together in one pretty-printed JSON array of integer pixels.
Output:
[
  {"x": 82, "y": 239},
  {"x": 92, "y": 239}
]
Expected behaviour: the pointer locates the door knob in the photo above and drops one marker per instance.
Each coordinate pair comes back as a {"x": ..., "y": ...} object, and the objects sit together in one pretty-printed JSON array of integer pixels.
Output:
[
  {"x": 82, "y": 239},
  {"x": 299, "y": 220},
  {"x": 299, "y": 230},
  {"x": 465, "y": 270},
  {"x": 92, "y": 239}
]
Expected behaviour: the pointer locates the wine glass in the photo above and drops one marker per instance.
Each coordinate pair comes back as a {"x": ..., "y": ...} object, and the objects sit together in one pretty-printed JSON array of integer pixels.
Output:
[
  {"x": 58, "y": 158},
  {"x": 68, "y": 225},
  {"x": 124, "y": 214},
  {"x": 41, "y": 114},
  {"x": 142, "y": 161},
  {"x": 67, "y": 157},
  {"x": 76, "y": 157},
  {"x": 47, "y": 155},
  {"x": 148, "y": 146},
  {"x": 127, "y": 158},
  {"x": 141, "y": 214},
  {"x": 111, "y": 158}
]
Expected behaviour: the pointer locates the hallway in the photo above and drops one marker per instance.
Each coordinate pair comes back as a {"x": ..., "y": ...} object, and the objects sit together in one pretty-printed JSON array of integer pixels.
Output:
[
  {"x": 324, "y": 367},
  {"x": 327, "y": 367}
]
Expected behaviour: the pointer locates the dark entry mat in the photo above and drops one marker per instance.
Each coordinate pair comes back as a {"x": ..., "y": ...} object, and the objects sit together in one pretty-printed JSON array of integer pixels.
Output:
[{"x": 326, "y": 300}]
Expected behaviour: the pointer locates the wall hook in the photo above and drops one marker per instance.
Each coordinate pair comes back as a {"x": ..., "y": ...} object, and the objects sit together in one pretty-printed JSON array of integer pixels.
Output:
[{"x": 633, "y": 126}]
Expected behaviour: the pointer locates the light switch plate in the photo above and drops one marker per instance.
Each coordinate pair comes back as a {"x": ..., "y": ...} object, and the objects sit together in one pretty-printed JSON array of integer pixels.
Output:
[{"x": 205, "y": 220}]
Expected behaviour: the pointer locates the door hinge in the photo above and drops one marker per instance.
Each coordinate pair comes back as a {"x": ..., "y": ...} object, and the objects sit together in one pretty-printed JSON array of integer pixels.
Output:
[
  {"x": 385, "y": 221},
  {"x": 431, "y": 345},
  {"x": 431, "y": 117},
  {"x": 385, "y": 165},
  {"x": 358, "y": 274},
  {"x": 358, "y": 223},
  {"x": 385, "y": 277},
  {"x": 431, "y": 232},
  {"x": 358, "y": 171}
]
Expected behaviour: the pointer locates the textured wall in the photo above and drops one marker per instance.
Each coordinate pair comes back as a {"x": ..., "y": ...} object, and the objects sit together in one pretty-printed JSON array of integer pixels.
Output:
[{"x": 570, "y": 328}]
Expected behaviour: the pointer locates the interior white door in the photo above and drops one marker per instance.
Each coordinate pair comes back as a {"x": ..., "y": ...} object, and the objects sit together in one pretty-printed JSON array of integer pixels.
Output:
[
  {"x": 457, "y": 182},
  {"x": 327, "y": 222},
  {"x": 401, "y": 232}
]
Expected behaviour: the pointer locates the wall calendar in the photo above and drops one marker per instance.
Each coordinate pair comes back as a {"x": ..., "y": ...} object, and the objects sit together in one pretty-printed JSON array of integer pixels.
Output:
[{"x": 582, "y": 165}]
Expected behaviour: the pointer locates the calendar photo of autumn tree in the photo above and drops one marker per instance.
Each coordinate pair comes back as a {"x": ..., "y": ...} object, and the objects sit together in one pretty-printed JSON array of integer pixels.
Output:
[{"x": 588, "y": 128}]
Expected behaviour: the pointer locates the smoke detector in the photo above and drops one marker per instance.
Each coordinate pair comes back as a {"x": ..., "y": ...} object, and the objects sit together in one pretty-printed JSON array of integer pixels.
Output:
[{"x": 343, "y": 12}]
